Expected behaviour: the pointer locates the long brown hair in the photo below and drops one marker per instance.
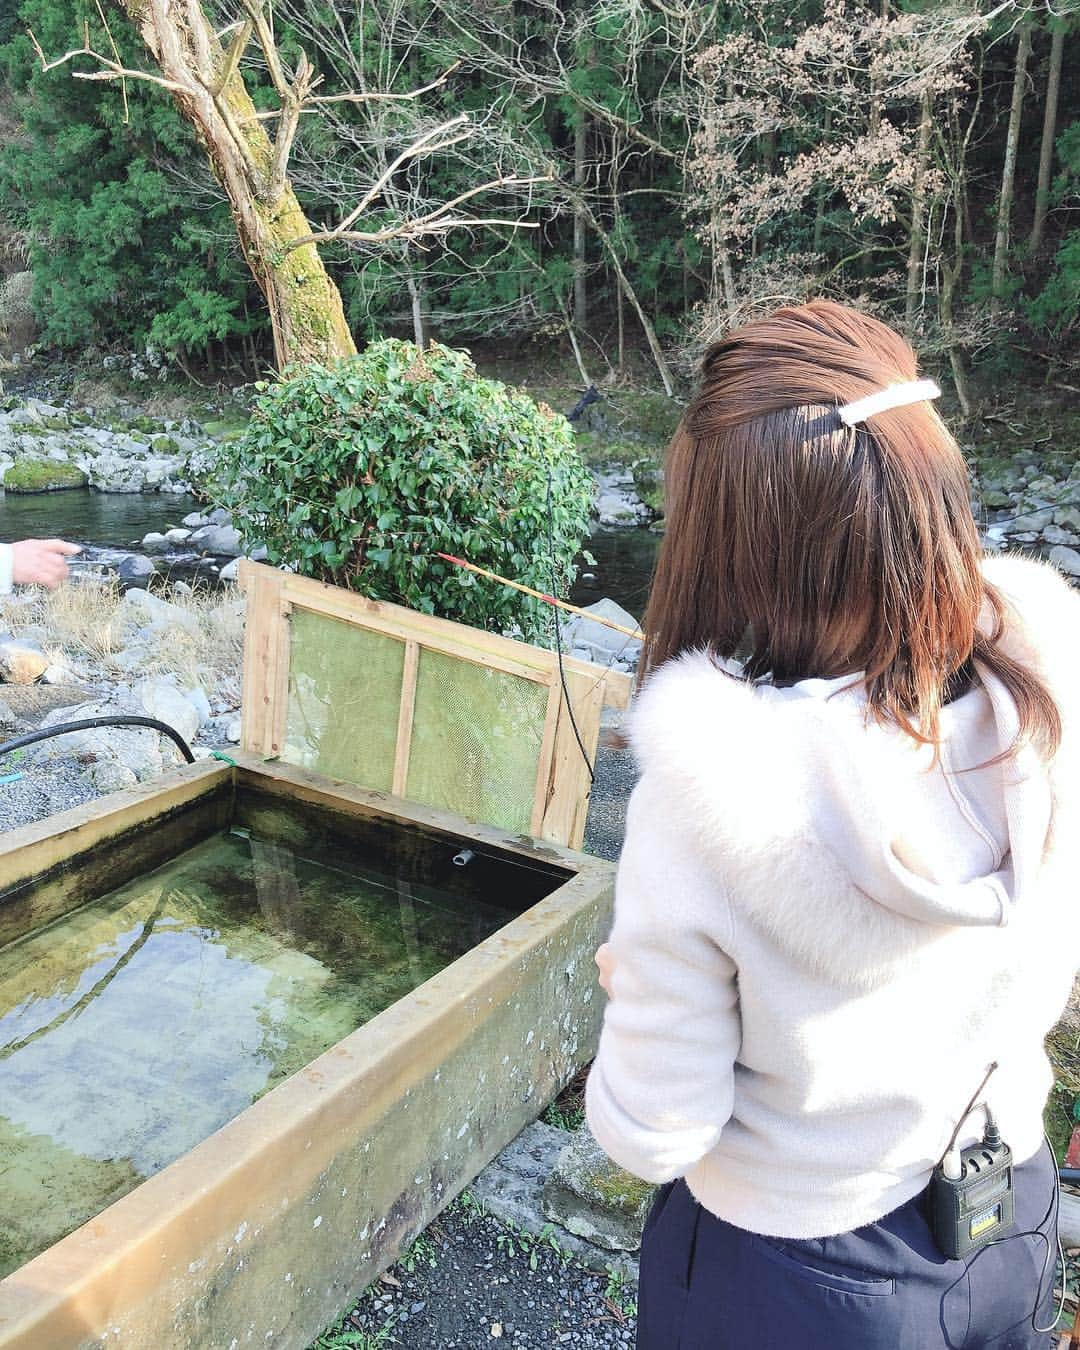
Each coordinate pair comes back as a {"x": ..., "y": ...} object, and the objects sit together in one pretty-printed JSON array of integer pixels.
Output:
[{"x": 821, "y": 549}]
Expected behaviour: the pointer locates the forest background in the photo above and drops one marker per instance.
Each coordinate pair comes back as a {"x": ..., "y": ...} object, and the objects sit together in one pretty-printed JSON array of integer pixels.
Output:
[{"x": 618, "y": 179}]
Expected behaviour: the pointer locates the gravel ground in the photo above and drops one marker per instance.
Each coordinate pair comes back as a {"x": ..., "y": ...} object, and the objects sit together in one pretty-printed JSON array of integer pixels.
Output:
[
  {"x": 47, "y": 788},
  {"x": 470, "y": 1282}
]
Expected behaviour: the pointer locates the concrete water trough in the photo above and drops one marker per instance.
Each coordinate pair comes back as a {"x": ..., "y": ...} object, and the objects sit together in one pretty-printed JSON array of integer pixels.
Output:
[{"x": 307, "y": 1179}]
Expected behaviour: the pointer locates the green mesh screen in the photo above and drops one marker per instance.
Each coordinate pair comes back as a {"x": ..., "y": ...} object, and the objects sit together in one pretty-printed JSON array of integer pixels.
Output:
[
  {"x": 344, "y": 694},
  {"x": 476, "y": 741}
]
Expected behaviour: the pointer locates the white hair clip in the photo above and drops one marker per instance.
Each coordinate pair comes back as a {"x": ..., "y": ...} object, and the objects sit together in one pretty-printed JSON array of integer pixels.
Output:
[{"x": 895, "y": 396}]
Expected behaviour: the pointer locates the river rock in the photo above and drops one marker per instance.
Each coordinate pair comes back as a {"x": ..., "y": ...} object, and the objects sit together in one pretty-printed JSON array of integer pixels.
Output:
[
  {"x": 230, "y": 571},
  {"x": 1054, "y": 534},
  {"x": 164, "y": 701},
  {"x": 177, "y": 536},
  {"x": 617, "y": 502},
  {"x": 109, "y": 775},
  {"x": 218, "y": 539},
  {"x": 195, "y": 521},
  {"x": 219, "y": 516},
  {"x": 1068, "y": 517},
  {"x": 604, "y": 643},
  {"x": 1031, "y": 522},
  {"x": 1067, "y": 559},
  {"x": 199, "y": 701},
  {"x": 21, "y": 662},
  {"x": 135, "y": 567},
  {"x": 155, "y": 543},
  {"x": 144, "y": 610}
]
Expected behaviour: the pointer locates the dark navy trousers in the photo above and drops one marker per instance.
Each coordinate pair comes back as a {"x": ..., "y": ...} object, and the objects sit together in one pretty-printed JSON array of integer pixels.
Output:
[{"x": 706, "y": 1285}]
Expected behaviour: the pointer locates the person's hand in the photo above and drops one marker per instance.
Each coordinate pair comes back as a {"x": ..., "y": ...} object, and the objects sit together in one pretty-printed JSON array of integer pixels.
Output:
[
  {"x": 41, "y": 561},
  {"x": 605, "y": 963}
]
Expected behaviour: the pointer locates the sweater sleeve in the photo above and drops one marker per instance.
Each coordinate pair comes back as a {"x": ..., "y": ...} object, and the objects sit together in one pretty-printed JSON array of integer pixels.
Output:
[{"x": 662, "y": 1085}]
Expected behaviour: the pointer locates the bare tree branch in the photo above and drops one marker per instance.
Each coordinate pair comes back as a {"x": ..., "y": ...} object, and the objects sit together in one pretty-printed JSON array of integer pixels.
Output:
[
  {"x": 237, "y": 47},
  {"x": 437, "y": 221},
  {"x": 113, "y": 69}
]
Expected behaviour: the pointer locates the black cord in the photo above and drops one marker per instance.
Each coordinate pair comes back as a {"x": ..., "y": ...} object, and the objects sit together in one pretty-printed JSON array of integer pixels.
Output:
[
  {"x": 558, "y": 633},
  {"x": 87, "y": 723},
  {"x": 1055, "y": 1205},
  {"x": 968, "y": 1110}
]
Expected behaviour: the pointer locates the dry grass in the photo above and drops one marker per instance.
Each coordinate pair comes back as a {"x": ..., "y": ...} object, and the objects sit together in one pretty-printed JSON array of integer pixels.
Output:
[{"x": 86, "y": 624}]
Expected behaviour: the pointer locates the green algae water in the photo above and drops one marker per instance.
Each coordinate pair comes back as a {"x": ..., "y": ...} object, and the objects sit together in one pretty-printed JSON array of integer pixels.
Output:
[{"x": 137, "y": 1025}]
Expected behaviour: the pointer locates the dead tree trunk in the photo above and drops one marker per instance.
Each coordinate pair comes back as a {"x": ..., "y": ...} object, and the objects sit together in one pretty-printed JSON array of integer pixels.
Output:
[
  {"x": 917, "y": 242},
  {"x": 1008, "y": 172},
  {"x": 1046, "y": 149},
  {"x": 581, "y": 131}
]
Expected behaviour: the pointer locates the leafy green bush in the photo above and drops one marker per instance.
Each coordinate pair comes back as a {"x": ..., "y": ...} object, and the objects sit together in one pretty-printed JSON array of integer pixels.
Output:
[{"x": 359, "y": 474}]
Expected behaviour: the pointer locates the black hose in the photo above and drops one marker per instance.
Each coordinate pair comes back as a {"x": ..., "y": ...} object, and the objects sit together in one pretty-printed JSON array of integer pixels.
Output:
[{"x": 86, "y": 723}]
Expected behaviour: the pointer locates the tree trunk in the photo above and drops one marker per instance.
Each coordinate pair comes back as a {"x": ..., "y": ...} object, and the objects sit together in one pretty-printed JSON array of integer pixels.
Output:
[
  {"x": 917, "y": 241},
  {"x": 950, "y": 278},
  {"x": 416, "y": 297},
  {"x": 581, "y": 133},
  {"x": 306, "y": 313},
  {"x": 1008, "y": 172},
  {"x": 1046, "y": 150},
  {"x": 823, "y": 191}
]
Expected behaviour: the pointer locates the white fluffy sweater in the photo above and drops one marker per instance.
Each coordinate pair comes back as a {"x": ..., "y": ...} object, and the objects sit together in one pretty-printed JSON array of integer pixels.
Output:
[{"x": 821, "y": 941}]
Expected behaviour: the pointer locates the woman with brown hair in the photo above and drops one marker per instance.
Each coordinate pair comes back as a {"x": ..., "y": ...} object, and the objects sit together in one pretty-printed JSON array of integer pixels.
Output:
[{"x": 842, "y": 911}]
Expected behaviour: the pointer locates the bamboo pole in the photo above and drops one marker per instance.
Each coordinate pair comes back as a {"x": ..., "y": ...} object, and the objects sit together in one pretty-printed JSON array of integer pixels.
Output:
[{"x": 542, "y": 595}]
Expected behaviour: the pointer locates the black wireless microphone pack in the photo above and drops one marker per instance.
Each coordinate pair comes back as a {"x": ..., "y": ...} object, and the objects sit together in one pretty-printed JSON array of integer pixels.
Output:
[{"x": 968, "y": 1211}]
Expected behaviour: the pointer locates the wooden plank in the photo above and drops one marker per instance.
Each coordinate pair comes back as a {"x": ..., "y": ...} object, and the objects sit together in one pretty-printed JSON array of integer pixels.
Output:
[
  {"x": 448, "y": 643},
  {"x": 457, "y": 639},
  {"x": 409, "y": 671},
  {"x": 33, "y": 850},
  {"x": 279, "y": 673},
  {"x": 262, "y": 643},
  {"x": 566, "y": 798}
]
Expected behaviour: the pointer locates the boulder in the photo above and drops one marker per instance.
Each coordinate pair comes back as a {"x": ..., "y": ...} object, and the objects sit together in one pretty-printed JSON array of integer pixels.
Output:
[
  {"x": 155, "y": 543},
  {"x": 602, "y": 642},
  {"x": 221, "y": 539},
  {"x": 1066, "y": 559},
  {"x": 21, "y": 662},
  {"x": 135, "y": 568},
  {"x": 109, "y": 775},
  {"x": 199, "y": 701},
  {"x": 1068, "y": 517},
  {"x": 1030, "y": 522},
  {"x": 146, "y": 611},
  {"x": 1054, "y": 534},
  {"x": 593, "y": 1198},
  {"x": 164, "y": 701},
  {"x": 195, "y": 521},
  {"x": 230, "y": 571},
  {"x": 177, "y": 536},
  {"x": 143, "y": 751},
  {"x": 43, "y": 475}
]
